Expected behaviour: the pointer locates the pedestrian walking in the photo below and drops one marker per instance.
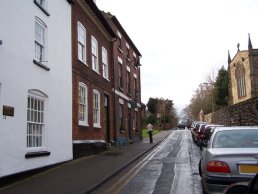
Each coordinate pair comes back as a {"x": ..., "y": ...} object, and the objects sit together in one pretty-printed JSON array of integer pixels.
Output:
[{"x": 149, "y": 131}]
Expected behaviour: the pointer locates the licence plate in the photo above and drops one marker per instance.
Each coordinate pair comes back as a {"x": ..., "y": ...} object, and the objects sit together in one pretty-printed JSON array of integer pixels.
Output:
[{"x": 248, "y": 169}]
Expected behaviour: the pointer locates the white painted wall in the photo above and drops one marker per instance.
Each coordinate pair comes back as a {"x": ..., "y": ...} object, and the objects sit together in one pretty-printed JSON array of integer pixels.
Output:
[{"x": 18, "y": 74}]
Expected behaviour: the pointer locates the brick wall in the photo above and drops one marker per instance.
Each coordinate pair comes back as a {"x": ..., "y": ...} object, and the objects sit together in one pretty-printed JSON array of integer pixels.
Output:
[
  {"x": 247, "y": 59},
  {"x": 241, "y": 114},
  {"x": 84, "y": 73},
  {"x": 127, "y": 63}
]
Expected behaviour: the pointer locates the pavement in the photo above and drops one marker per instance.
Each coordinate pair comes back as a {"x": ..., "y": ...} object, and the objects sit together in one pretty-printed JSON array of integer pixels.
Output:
[{"x": 84, "y": 175}]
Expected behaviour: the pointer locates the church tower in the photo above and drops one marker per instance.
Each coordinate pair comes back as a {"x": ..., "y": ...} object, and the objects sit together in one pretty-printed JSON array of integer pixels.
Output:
[{"x": 243, "y": 74}]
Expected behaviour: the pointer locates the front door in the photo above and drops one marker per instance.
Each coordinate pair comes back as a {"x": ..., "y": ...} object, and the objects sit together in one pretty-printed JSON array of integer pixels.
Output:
[
  {"x": 129, "y": 124},
  {"x": 106, "y": 118}
]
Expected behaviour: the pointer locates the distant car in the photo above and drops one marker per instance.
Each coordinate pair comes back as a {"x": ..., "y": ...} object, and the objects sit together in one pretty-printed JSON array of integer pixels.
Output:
[
  {"x": 195, "y": 129},
  {"x": 181, "y": 126},
  {"x": 230, "y": 156},
  {"x": 194, "y": 123},
  {"x": 198, "y": 133}
]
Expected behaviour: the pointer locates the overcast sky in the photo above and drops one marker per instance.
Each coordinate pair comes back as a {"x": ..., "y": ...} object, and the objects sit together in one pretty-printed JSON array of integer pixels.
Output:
[{"x": 184, "y": 41}]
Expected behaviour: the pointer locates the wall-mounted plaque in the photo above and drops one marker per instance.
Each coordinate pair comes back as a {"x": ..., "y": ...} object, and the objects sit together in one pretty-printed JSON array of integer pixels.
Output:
[{"x": 8, "y": 111}]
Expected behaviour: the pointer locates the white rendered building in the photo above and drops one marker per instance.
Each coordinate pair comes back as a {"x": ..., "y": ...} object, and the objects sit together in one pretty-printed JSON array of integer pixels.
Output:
[{"x": 35, "y": 84}]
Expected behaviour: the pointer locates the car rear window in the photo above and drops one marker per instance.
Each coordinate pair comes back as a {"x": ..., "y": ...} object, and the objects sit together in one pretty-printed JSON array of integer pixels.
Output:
[{"x": 246, "y": 138}]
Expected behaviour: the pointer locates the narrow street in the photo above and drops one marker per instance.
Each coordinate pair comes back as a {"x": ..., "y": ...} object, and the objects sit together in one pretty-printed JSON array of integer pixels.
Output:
[{"x": 172, "y": 168}]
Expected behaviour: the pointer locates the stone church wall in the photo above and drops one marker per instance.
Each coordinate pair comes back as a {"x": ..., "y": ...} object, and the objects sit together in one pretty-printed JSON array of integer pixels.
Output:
[{"x": 241, "y": 114}]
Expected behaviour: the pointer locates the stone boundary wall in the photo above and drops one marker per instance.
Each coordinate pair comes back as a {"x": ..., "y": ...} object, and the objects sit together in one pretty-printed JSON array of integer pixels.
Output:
[{"x": 241, "y": 114}]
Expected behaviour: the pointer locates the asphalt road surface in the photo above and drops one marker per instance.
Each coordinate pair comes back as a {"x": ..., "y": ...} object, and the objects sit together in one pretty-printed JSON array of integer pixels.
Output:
[{"x": 171, "y": 168}]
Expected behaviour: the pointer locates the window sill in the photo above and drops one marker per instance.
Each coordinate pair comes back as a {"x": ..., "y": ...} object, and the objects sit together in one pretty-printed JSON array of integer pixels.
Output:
[
  {"x": 84, "y": 124},
  {"x": 121, "y": 89},
  {"x": 96, "y": 126},
  {"x": 241, "y": 97},
  {"x": 41, "y": 65},
  {"x": 95, "y": 71},
  {"x": 120, "y": 50},
  {"x": 37, "y": 154},
  {"x": 106, "y": 79},
  {"x": 84, "y": 62},
  {"x": 42, "y": 8}
]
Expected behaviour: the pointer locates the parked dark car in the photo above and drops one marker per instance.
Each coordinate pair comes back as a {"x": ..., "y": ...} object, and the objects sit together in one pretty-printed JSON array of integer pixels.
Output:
[
  {"x": 230, "y": 156},
  {"x": 195, "y": 127},
  {"x": 198, "y": 133},
  {"x": 205, "y": 133},
  {"x": 181, "y": 126}
]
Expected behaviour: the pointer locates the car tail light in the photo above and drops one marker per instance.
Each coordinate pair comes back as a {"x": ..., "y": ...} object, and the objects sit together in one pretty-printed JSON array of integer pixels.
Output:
[{"x": 218, "y": 166}]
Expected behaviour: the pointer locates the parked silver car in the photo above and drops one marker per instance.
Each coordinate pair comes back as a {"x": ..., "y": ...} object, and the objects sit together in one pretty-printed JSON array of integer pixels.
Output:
[{"x": 230, "y": 156}]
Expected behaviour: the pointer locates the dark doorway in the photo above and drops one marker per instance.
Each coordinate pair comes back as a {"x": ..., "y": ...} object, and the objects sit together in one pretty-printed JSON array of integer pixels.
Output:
[
  {"x": 106, "y": 118},
  {"x": 129, "y": 123}
]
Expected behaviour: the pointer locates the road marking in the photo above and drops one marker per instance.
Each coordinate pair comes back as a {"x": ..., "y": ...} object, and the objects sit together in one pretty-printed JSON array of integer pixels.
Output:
[
  {"x": 121, "y": 182},
  {"x": 182, "y": 171}
]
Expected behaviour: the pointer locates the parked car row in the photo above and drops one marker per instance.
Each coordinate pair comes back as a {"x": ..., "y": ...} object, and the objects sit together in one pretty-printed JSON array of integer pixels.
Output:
[
  {"x": 201, "y": 132},
  {"x": 229, "y": 156},
  {"x": 194, "y": 129}
]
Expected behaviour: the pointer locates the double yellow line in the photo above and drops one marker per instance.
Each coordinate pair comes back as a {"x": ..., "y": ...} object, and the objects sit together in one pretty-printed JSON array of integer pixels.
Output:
[{"x": 123, "y": 181}]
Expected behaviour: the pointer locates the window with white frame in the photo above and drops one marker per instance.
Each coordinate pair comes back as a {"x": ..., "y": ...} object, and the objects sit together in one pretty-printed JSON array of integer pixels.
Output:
[
  {"x": 240, "y": 79},
  {"x": 127, "y": 51},
  {"x": 42, "y": 4},
  {"x": 105, "y": 63},
  {"x": 40, "y": 40},
  {"x": 128, "y": 82},
  {"x": 94, "y": 51},
  {"x": 135, "y": 87},
  {"x": 119, "y": 39},
  {"x": 135, "y": 60},
  {"x": 96, "y": 108},
  {"x": 120, "y": 73},
  {"x": 83, "y": 104},
  {"x": 81, "y": 34},
  {"x": 36, "y": 121}
]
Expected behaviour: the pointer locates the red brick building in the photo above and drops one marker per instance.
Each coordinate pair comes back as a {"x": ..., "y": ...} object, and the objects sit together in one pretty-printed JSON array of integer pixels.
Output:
[
  {"x": 92, "y": 78},
  {"x": 127, "y": 87}
]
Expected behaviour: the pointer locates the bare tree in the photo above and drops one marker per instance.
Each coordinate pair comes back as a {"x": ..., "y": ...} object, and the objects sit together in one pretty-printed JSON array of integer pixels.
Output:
[{"x": 202, "y": 99}]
